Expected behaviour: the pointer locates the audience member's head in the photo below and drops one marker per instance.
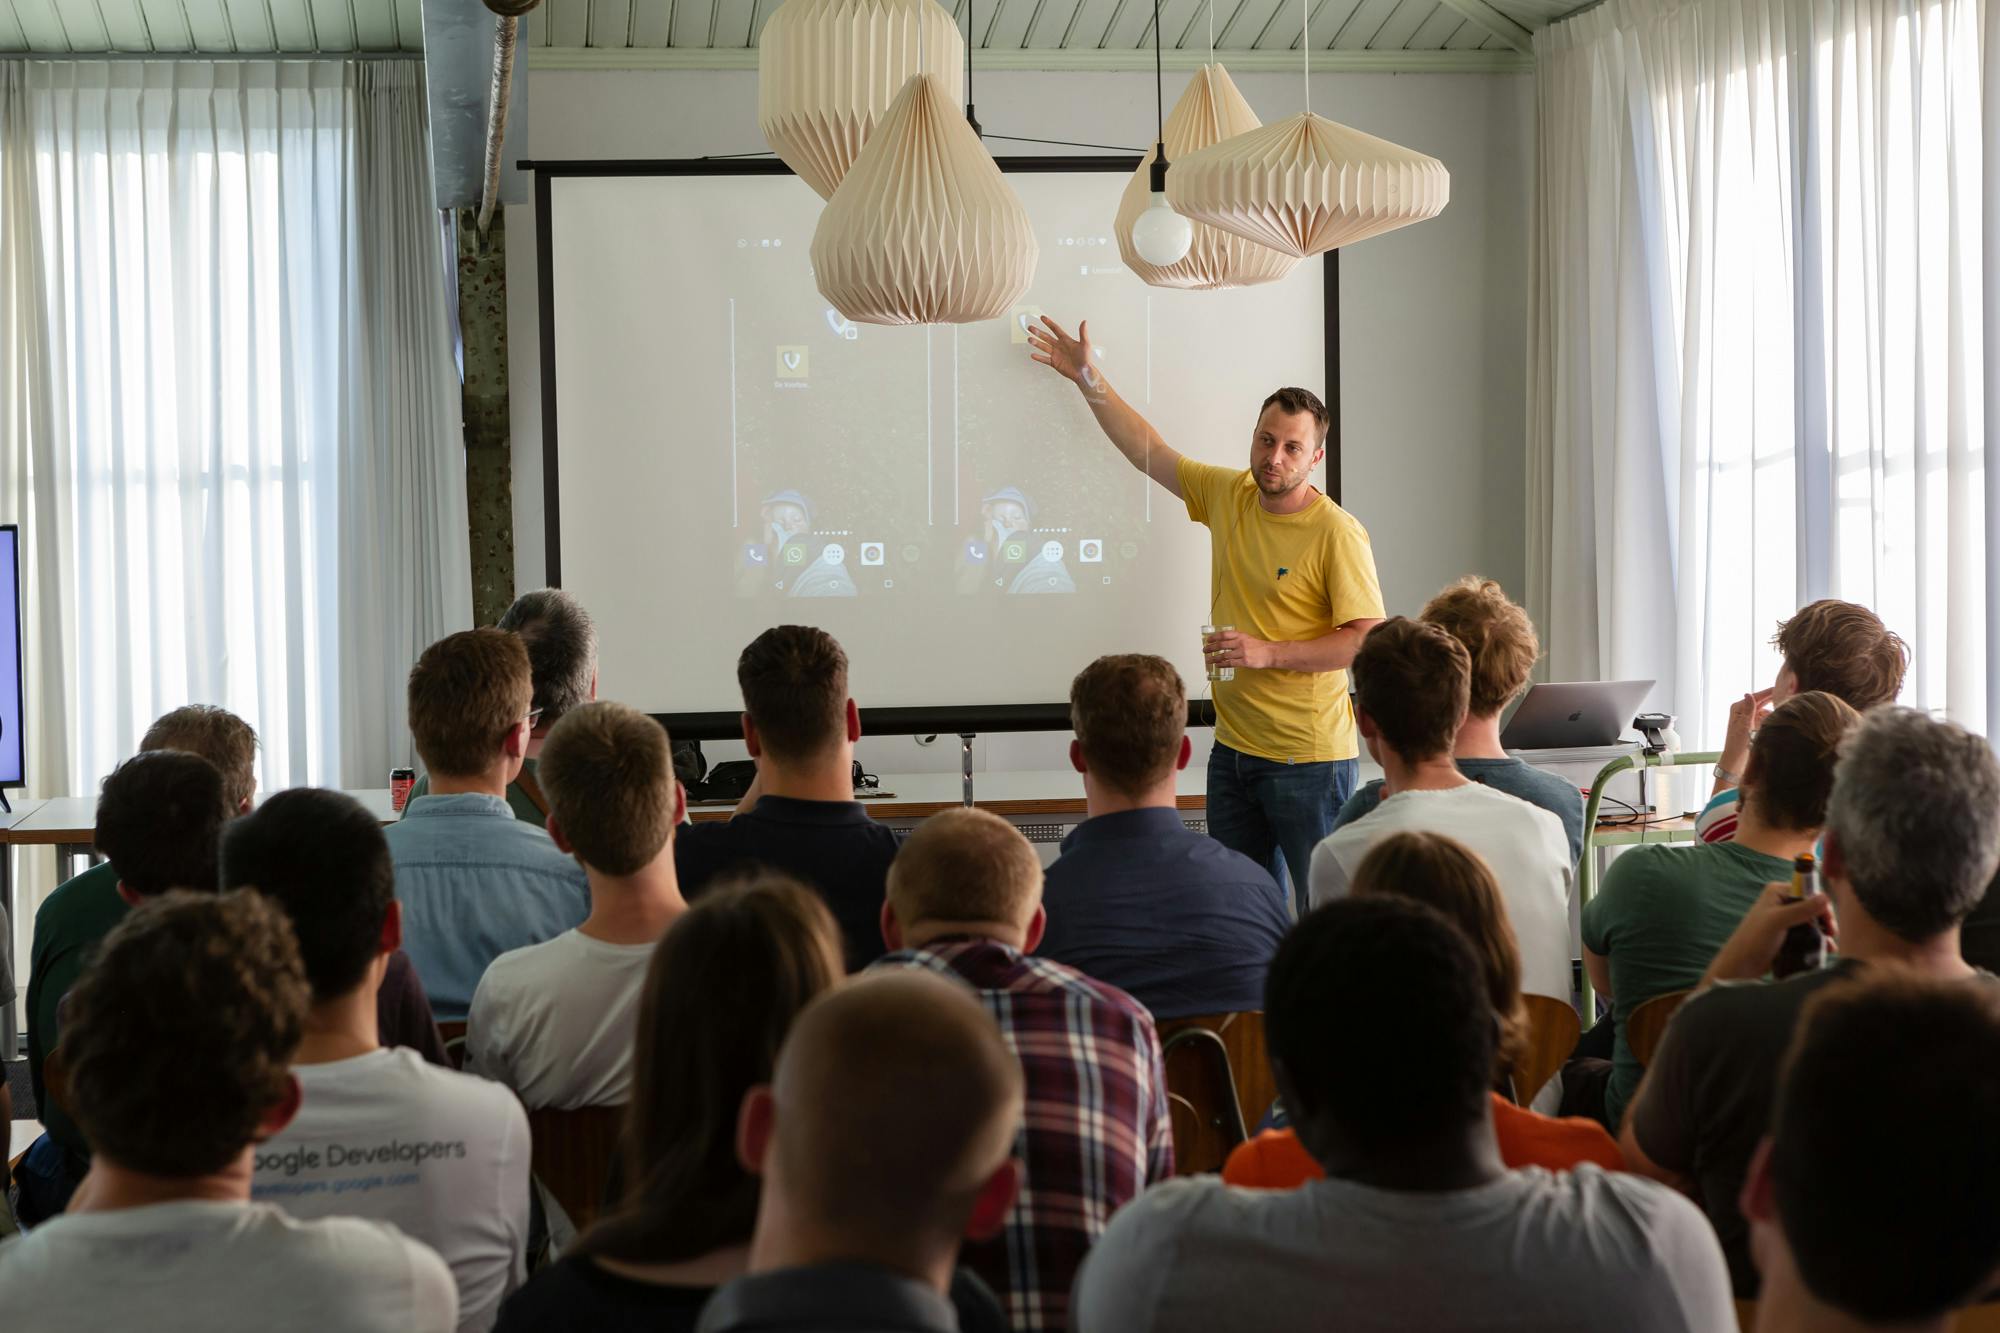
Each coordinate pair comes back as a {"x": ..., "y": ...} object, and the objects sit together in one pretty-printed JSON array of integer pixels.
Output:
[
  {"x": 470, "y": 701},
  {"x": 796, "y": 708},
  {"x": 964, "y": 872},
  {"x": 1875, "y": 1190},
  {"x": 723, "y": 987},
  {"x": 1842, "y": 649},
  {"x": 159, "y": 817},
  {"x": 1913, "y": 824},
  {"x": 1357, "y": 987},
  {"x": 1130, "y": 716},
  {"x": 322, "y": 858},
  {"x": 1444, "y": 873},
  {"x": 562, "y": 651},
  {"x": 217, "y": 735},
  {"x": 887, "y": 1134},
  {"x": 1790, "y": 771},
  {"x": 177, "y": 1042},
  {"x": 613, "y": 799},
  {"x": 1499, "y": 640},
  {"x": 1411, "y": 686}
]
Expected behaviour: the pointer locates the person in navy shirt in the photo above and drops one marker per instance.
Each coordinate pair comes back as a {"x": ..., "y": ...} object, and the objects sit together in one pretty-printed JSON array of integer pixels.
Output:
[{"x": 1137, "y": 899}]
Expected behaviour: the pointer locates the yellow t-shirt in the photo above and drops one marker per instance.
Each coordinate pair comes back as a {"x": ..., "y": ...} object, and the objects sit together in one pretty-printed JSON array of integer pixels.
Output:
[{"x": 1283, "y": 578}]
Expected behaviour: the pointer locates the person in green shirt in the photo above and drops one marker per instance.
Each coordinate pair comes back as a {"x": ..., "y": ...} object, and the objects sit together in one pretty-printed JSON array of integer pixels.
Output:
[
  {"x": 562, "y": 658},
  {"x": 1664, "y": 910},
  {"x": 159, "y": 820}
]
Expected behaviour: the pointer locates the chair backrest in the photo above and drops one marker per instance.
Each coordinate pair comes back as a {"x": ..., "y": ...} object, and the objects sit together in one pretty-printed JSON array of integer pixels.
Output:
[
  {"x": 1648, "y": 1024},
  {"x": 453, "y": 1035},
  {"x": 571, "y": 1153},
  {"x": 1552, "y": 1031},
  {"x": 1198, "y": 1074},
  {"x": 1242, "y": 1036}
]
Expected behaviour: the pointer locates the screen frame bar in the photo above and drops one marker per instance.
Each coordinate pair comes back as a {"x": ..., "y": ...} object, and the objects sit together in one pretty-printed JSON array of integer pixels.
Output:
[
  {"x": 970, "y": 719},
  {"x": 20, "y": 664}
]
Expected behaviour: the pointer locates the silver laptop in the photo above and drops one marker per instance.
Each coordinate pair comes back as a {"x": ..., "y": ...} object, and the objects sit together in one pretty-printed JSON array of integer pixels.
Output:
[{"x": 1574, "y": 716}]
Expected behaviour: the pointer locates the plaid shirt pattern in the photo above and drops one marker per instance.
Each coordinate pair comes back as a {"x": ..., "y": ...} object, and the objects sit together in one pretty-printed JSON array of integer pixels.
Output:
[{"x": 1096, "y": 1130}]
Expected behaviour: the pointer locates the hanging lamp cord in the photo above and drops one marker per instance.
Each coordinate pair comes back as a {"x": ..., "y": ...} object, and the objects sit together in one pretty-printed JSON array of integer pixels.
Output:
[
  {"x": 970, "y": 118},
  {"x": 1159, "y": 173}
]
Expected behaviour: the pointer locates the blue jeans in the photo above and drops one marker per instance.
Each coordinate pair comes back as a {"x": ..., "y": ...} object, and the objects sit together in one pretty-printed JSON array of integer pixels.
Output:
[{"x": 1275, "y": 813}]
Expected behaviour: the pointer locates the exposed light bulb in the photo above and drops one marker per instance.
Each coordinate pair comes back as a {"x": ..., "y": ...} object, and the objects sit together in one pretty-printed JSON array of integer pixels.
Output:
[{"x": 1160, "y": 235}]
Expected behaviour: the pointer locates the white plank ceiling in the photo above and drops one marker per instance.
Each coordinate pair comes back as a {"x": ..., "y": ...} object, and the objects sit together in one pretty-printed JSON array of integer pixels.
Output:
[{"x": 1049, "y": 34}]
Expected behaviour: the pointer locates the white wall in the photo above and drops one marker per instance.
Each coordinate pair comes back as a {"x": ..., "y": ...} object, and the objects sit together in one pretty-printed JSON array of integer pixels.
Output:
[{"x": 1433, "y": 317}]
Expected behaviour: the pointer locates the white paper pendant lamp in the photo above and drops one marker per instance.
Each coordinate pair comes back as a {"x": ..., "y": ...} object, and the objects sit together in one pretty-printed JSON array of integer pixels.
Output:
[
  {"x": 1307, "y": 185},
  {"x": 924, "y": 229},
  {"x": 828, "y": 69},
  {"x": 1210, "y": 111}
]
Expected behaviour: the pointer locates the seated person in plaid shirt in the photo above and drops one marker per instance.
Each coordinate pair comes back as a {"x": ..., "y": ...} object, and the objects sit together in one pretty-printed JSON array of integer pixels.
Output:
[
  {"x": 885, "y": 1137},
  {"x": 965, "y": 899}
]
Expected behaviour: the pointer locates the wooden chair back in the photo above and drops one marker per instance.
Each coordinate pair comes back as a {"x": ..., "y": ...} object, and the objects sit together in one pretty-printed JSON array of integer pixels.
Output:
[
  {"x": 1552, "y": 1032},
  {"x": 1198, "y": 1074},
  {"x": 1648, "y": 1024},
  {"x": 1242, "y": 1036},
  {"x": 571, "y": 1156}
]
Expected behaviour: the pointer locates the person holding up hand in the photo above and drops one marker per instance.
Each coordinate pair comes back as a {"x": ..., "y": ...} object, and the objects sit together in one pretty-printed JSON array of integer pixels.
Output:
[{"x": 1294, "y": 586}]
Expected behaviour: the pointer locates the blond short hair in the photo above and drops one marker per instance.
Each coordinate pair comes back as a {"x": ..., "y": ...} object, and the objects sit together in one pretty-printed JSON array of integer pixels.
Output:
[
  {"x": 217, "y": 735},
  {"x": 1498, "y": 637},
  {"x": 609, "y": 773},
  {"x": 467, "y": 691},
  {"x": 965, "y": 865}
]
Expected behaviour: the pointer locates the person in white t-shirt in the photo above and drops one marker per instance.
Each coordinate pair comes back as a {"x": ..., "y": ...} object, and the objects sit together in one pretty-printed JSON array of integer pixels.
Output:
[
  {"x": 1383, "y": 1041},
  {"x": 1412, "y": 682},
  {"x": 381, "y": 1134},
  {"x": 555, "y": 1021},
  {"x": 173, "y": 1059}
]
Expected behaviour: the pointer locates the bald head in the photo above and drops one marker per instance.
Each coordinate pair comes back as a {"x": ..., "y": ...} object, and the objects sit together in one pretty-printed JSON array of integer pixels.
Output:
[
  {"x": 965, "y": 866},
  {"x": 895, "y": 1106}
]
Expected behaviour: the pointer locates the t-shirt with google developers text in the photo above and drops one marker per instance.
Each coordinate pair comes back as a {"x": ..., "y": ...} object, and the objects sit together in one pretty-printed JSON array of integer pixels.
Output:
[
  {"x": 1283, "y": 578},
  {"x": 441, "y": 1155}
]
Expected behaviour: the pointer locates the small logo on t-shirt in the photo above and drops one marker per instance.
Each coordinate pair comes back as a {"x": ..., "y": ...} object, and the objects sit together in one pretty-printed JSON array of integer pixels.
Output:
[{"x": 1283, "y": 570}]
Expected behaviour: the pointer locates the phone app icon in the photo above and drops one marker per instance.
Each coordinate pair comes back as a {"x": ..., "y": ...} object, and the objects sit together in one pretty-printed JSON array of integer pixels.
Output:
[
  {"x": 1014, "y": 552},
  {"x": 1023, "y": 317},
  {"x": 792, "y": 362},
  {"x": 795, "y": 555},
  {"x": 872, "y": 553},
  {"x": 1052, "y": 551},
  {"x": 1090, "y": 551},
  {"x": 910, "y": 553},
  {"x": 842, "y": 325},
  {"x": 833, "y": 553},
  {"x": 1130, "y": 550}
]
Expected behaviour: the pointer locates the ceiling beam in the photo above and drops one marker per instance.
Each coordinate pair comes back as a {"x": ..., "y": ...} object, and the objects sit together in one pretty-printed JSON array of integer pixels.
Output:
[
  {"x": 1094, "y": 60},
  {"x": 1491, "y": 19}
]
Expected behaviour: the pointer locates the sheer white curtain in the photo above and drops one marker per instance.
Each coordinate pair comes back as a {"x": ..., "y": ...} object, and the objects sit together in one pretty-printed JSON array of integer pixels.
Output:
[
  {"x": 244, "y": 470},
  {"x": 1758, "y": 344}
]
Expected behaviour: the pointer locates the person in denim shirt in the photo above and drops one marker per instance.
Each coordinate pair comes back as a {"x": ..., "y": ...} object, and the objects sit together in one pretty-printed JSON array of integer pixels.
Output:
[{"x": 475, "y": 881}]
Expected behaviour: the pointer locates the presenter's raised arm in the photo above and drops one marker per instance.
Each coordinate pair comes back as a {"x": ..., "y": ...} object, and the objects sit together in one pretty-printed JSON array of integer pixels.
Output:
[{"x": 1120, "y": 421}]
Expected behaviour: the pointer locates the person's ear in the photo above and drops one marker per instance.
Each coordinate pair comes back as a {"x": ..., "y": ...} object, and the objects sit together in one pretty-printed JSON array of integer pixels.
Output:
[
  {"x": 392, "y": 927},
  {"x": 853, "y": 722},
  {"x": 132, "y": 897},
  {"x": 518, "y": 738},
  {"x": 750, "y": 741},
  {"x": 680, "y": 807},
  {"x": 243, "y": 806},
  {"x": 1076, "y": 757},
  {"x": 995, "y": 1201},
  {"x": 1038, "y": 925},
  {"x": 557, "y": 836},
  {"x": 1833, "y": 861},
  {"x": 281, "y": 1112},
  {"x": 1366, "y": 723},
  {"x": 1187, "y": 754},
  {"x": 755, "y": 1121},
  {"x": 1758, "y": 1200},
  {"x": 593, "y": 682},
  {"x": 892, "y": 929}
]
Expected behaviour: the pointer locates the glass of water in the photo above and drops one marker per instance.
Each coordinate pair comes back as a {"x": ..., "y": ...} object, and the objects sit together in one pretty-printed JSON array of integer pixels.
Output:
[{"x": 1216, "y": 672}]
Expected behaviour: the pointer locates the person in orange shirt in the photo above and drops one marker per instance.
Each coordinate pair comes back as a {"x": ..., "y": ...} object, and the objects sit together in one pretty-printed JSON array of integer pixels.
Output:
[{"x": 1442, "y": 873}]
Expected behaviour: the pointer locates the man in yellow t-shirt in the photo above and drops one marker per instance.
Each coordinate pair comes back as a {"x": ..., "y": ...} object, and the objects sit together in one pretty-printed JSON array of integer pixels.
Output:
[{"x": 1294, "y": 575}]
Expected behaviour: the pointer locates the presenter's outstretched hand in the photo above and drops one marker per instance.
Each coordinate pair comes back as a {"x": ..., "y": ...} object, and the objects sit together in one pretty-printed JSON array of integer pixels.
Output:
[
  {"x": 1069, "y": 357},
  {"x": 1233, "y": 648}
]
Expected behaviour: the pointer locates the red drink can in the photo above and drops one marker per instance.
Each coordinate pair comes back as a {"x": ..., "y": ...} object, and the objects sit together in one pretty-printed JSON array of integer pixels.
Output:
[{"x": 400, "y": 782}]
